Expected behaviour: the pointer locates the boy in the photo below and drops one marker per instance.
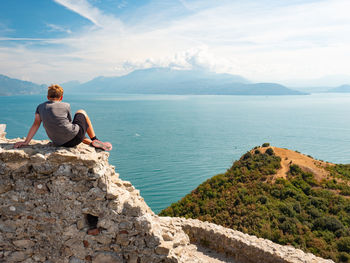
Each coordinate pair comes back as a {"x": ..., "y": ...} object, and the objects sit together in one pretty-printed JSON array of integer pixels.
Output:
[{"x": 60, "y": 128}]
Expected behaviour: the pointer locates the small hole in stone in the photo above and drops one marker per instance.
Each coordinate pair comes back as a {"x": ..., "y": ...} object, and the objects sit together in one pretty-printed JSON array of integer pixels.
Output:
[{"x": 91, "y": 221}]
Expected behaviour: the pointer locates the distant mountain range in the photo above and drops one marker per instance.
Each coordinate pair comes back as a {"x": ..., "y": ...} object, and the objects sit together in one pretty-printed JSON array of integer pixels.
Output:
[
  {"x": 341, "y": 89},
  {"x": 10, "y": 86},
  {"x": 165, "y": 81},
  {"x": 169, "y": 81},
  {"x": 70, "y": 84}
]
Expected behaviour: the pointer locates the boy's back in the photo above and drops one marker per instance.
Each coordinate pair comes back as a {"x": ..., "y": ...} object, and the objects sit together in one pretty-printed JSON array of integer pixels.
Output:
[
  {"x": 59, "y": 126},
  {"x": 57, "y": 121}
]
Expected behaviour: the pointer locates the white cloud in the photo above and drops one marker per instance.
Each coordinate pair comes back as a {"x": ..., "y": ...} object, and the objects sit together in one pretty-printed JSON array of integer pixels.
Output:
[
  {"x": 261, "y": 40},
  {"x": 122, "y": 4},
  {"x": 194, "y": 58},
  {"x": 4, "y": 29},
  {"x": 85, "y": 9},
  {"x": 53, "y": 27}
]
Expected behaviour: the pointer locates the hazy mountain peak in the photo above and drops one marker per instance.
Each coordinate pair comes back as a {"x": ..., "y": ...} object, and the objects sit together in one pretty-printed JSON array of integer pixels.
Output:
[
  {"x": 341, "y": 89},
  {"x": 173, "y": 81},
  {"x": 10, "y": 86}
]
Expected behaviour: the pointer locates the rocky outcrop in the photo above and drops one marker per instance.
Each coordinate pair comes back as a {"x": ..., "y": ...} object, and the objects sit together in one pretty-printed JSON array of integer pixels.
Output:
[{"x": 69, "y": 205}]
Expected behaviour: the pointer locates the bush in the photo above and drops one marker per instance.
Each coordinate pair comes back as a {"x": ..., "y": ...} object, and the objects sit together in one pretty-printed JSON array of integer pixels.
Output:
[
  {"x": 246, "y": 156},
  {"x": 256, "y": 151},
  {"x": 343, "y": 244},
  {"x": 266, "y": 144},
  {"x": 329, "y": 223},
  {"x": 295, "y": 169},
  {"x": 262, "y": 199},
  {"x": 297, "y": 207},
  {"x": 289, "y": 226},
  {"x": 344, "y": 257},
  {"x": 270, "y": 151},
  {"x": 287, "y": 210}
]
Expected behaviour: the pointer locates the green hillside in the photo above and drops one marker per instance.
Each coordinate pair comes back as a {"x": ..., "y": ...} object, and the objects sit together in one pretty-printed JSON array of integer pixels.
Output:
[{"x": 303, "y": 209}]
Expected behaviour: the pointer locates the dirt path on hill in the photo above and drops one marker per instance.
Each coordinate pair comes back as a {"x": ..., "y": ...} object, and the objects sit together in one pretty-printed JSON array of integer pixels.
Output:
[{"x": 306, "y": 163}]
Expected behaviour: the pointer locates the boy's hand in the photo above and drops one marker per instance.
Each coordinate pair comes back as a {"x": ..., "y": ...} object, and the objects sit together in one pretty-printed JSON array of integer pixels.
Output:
[
  {"x": 20, "y": 144},
  {"x": 31, "y": 133}
]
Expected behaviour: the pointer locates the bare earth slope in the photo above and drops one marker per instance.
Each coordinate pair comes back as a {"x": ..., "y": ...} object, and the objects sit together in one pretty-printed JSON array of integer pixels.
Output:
[{"x": 306, "y": 163}]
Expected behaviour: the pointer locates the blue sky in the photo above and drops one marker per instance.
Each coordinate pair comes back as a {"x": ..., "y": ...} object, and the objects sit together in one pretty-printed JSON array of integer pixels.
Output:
[{"x": 293, "y": 42}]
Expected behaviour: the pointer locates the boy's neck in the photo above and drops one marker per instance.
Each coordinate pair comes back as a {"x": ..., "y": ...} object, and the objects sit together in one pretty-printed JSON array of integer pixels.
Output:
[{"x": 54, "y": 100}]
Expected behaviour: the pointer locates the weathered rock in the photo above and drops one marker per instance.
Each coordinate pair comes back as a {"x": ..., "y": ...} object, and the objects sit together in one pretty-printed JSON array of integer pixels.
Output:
[
  {"x": 107, "y": 257},
  {"x": 164, "y": 248},
  {"x": 2, "y": 130},
  {"x": 24, "y": 243},
  {"x": 17, "y": 256},
  {"x": 61, "y": 205}
]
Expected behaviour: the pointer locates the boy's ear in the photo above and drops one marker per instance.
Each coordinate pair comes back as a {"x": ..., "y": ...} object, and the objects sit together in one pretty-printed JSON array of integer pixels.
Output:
[{"x": 61, "y": 98}]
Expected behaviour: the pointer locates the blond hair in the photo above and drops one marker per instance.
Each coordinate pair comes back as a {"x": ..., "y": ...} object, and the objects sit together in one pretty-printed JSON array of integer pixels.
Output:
[{"x": 55, "y": 91}]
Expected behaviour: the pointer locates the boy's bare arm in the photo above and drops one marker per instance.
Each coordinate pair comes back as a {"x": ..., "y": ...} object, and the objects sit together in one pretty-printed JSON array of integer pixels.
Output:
[{"x": 31, "y": 133}]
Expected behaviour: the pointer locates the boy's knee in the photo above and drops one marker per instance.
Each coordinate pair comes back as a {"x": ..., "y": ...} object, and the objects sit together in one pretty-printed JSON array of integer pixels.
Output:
[{"x": 82, "y": 111}]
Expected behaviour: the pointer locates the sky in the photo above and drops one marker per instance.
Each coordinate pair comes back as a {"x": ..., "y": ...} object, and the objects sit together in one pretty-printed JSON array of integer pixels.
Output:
[{"x": 292, "y": 42}]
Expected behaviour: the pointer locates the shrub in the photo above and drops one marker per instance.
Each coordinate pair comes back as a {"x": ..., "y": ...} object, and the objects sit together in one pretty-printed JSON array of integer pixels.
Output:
[
  {"x": 344, "y": 257},
  {"x": 269, "y": 151},
  {"x": 247, "y": 156},
  {"x": 314, "y": 212},
  {"x": 256, "y": 151},
  {"x": 289, "y": 226},
  {"x": 329, "y": 223},
  {"x": 266, "y": 144},
  {"x": 297, "y": 207},
  {"x": 343, "y": 244},
  {"x": 262, "y": 199},
  {"x": 295, "y": 169},
  {"x": 287, "y": 210}
]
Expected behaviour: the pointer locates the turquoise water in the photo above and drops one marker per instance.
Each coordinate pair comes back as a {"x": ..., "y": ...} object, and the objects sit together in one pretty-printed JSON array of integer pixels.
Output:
[{"x": 167, "y": 145}]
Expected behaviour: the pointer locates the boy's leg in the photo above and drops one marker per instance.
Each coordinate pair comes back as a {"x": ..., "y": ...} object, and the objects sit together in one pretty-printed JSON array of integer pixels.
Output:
[
  {"x": 90, "y": 131},
  {"x": 87, "y": 141}
]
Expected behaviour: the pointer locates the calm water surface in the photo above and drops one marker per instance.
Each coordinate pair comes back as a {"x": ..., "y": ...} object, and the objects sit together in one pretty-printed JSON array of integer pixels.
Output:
[{"x": 167, "y": 145}]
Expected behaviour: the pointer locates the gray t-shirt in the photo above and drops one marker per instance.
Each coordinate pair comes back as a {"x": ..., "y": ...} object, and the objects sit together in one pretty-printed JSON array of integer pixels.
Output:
[{"x": 57, "y": 121}]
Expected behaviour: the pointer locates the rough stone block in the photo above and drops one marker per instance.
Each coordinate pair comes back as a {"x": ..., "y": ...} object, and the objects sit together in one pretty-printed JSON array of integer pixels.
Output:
[
  {"x": 24, "y": 243},
  {"x": 107, "y": 257},
  {"x": 164, "y": 248}
]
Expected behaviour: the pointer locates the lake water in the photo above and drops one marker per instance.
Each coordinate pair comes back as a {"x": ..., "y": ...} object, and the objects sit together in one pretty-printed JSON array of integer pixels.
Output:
[{"x": 167, "y": 145}]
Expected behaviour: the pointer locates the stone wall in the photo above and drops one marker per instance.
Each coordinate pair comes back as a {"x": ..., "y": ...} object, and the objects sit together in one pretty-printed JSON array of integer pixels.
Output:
[
  {"x": 241, "y": 247},
  {"x": 69, "y": 205}
]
